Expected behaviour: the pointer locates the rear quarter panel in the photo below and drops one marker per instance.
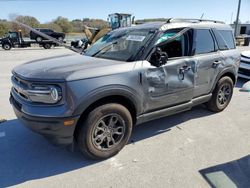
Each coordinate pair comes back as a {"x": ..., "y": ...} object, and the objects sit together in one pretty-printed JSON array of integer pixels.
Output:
[{"x": 231, "y": 59}]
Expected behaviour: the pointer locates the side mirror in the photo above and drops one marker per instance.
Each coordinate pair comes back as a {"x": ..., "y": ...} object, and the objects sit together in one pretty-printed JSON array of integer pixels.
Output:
[{"x": 158, "y": 57}]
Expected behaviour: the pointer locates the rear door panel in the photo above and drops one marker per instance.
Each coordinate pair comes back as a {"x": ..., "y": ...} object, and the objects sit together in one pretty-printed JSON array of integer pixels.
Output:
[{"x": 206, "y": 72}]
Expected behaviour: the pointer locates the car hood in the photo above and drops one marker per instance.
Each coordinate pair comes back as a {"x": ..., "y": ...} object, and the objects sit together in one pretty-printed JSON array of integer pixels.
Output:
[{"x": 70, "y": 67}]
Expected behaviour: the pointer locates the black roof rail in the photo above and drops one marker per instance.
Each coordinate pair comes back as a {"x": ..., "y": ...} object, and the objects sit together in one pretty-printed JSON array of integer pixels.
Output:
[{"x": 174, "y": 20}]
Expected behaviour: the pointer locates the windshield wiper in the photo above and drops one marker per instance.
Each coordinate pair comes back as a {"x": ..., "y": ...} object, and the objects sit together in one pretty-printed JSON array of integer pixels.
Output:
[{"x": 108, "y": 46}]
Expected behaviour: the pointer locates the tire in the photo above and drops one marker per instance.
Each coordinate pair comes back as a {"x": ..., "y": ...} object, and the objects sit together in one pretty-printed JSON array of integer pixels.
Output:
[
  {"x": 47, "y": 46},
  {"x": 6, "y": 46},
  {"x": 105, "y": 131},
  {"x": 39, "y": 39},
  {"x": 221, "y": 95}
]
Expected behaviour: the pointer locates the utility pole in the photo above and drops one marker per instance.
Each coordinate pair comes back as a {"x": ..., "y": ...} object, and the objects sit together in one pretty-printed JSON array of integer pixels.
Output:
[{"x": 237, "y": 19}]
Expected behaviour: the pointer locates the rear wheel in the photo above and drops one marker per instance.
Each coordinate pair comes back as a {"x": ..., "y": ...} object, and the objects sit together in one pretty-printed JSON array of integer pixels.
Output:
[
  {"x": 47, "y": 46},
  {"x": 222, "y": 95},
  {"x": 105, "y": 131},
  {"x": 6, "y": 46}
]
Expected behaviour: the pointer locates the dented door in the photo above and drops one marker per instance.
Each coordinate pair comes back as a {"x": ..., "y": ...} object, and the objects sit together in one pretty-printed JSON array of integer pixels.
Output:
[
  {"x": 206, "y": 72},
  {"x": 169, "y": 85}
]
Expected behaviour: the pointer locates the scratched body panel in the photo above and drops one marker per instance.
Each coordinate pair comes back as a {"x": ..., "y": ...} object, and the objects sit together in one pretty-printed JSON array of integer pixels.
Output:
[{"x": 166, "y": 86}]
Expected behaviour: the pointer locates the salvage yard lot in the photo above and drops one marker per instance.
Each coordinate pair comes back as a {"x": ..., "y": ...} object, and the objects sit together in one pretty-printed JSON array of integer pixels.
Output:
[{"x": 190, "y": 149}]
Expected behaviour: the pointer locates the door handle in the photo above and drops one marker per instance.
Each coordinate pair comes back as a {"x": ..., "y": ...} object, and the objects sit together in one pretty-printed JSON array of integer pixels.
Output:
[
  {"x": 183, "y": 70},
  {"x": 216, "y": 63}
]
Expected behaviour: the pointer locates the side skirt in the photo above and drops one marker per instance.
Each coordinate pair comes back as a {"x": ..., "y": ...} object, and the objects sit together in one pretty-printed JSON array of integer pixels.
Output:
[{"x": 173, "y": 110}]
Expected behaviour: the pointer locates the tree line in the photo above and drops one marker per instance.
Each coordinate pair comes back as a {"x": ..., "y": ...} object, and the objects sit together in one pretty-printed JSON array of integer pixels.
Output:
[{"x": 60, "y": 24}]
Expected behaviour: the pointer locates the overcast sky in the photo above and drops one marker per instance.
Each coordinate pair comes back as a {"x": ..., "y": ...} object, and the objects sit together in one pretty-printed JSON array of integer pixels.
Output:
[{"x": 46, "y": 10}]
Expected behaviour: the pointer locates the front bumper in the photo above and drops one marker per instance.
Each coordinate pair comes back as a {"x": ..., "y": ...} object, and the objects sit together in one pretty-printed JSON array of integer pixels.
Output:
[{"x": 52, "y": 128}]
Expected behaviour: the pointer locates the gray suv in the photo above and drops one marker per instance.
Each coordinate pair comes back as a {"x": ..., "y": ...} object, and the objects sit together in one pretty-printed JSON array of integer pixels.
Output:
[{"x": 129, "y": 76}]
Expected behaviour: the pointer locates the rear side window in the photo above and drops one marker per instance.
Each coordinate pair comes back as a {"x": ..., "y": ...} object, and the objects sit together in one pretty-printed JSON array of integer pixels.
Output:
[
  {"x": 224, "y": 39},
  {"x": 204, "y": 42},
  {"x": 44, "y": 30}
]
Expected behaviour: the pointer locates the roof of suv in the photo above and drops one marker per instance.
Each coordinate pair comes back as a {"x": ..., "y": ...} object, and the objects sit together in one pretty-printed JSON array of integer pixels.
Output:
[{"x": 184, "y": 23}]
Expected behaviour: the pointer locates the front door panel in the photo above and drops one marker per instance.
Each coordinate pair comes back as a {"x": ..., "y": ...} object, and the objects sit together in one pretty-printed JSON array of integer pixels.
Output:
[{"x": 168, "y": 85}]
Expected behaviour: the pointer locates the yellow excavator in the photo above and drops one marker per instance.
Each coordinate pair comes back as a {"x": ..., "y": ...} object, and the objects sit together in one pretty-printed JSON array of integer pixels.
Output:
[{"x": 116, "y": 20}]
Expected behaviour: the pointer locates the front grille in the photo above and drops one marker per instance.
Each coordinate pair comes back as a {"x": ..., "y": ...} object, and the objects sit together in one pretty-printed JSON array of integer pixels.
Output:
[
  {"x": 15, "y": 103},
  {"x": 20, "y": 86},
  {"x": 21, "y": 82}
]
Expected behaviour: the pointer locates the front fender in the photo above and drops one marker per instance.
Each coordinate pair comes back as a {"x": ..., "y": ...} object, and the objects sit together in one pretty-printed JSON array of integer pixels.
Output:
[
  {"x": 6, "y": 42},
  {"x": 107, "y": 91}
]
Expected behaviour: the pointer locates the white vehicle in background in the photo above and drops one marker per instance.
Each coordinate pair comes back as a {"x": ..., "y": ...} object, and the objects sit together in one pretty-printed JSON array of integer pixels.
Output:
[{"x": 244, "y": 70}]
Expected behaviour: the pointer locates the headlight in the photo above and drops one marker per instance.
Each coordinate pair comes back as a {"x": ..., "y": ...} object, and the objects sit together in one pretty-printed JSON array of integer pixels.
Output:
[{"x": 45, "y": 94}]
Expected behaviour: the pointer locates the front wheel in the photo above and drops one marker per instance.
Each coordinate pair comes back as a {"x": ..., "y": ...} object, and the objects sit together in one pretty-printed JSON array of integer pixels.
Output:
[
  {"x": 105, "y": 131},
  {"x": 222, "y": 95},
  {"x": 6, "y": 46}
]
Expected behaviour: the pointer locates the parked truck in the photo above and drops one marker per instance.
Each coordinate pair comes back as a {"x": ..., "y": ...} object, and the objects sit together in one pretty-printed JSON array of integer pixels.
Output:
[
  {"x": 15, "y": 39},
  {"x": 49, "y": 32}
]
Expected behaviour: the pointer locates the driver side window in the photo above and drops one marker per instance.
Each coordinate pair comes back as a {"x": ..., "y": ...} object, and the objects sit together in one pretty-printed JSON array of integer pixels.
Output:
[
  {"x": 13, "y": 35},
  {"x": 178, "y": 47}
]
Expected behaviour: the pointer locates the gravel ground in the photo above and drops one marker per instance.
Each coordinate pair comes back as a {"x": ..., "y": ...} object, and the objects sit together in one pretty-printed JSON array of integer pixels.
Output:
[{"x": 192, "y": 149}]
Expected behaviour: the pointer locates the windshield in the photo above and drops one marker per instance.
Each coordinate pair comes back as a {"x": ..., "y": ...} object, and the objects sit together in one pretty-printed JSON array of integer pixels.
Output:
[{"x": 121, "y": 45}]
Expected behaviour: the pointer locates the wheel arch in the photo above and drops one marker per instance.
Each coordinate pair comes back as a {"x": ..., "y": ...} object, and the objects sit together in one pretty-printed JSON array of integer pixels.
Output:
[
  {"x": 118, "y": 98},
  {"x": 6, "y": 42},
  {"x": 227, "y": 72}
]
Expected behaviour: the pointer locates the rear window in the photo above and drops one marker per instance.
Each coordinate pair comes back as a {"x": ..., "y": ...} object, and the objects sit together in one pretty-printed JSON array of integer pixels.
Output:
[
  {"x": 225, "y": 39},
  {"x": 204, "y": 42}
]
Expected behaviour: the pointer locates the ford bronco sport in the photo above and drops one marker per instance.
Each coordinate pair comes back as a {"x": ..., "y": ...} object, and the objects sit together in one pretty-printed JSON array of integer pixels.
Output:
[{"x": 129, "y": 76}]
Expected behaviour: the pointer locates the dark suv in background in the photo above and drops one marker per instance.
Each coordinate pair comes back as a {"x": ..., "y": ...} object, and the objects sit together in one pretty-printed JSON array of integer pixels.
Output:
[
  {"x": 49, "y": 32},
  {"x": 130, "y": 76}
]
